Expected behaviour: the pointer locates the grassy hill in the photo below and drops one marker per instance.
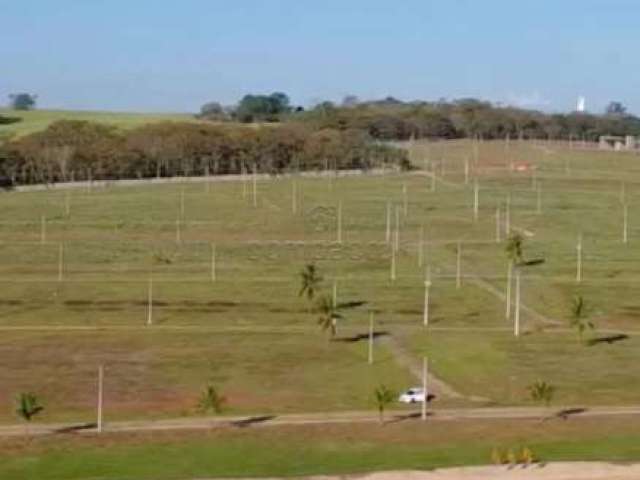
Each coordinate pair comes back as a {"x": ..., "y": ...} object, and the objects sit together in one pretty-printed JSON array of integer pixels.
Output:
[{"x": 35, "y": 120}]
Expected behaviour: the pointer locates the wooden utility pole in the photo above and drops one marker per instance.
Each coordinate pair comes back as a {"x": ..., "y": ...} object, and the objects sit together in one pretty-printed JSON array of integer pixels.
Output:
[
  {"x": 425, "y": 400},
  {"x": 508, "y": 295},
  {"x": 178, "y": 233},
  {"x": 371, "y": 337},
  {"x": 393, "y": 264},
  {"x": 388, "y": 231},
  {"x": 427, "y": 288},
  {"x": 498, "y": 226},
  {"x": 335, "y": 293},
  {"x": 579, "y": 259},
  {"x": 100, "y": 395},
  {"x": 60, "y": 261},
  {"x": 516, "y": 323}
]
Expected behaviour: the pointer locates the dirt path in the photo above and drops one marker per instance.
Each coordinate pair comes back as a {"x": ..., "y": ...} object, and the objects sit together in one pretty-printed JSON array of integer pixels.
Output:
[
  {"x": 323, "y": 418},
  {"x": 413, "y": 364}
]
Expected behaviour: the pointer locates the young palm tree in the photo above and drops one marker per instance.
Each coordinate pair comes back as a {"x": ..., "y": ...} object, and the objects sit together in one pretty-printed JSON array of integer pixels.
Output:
[
  {"x": 514, "y": 248},
  {"x": 211, "y": 400},
  {"x": 310, "y": 281},
  {"x": 383, "y": 397},
  {"x": 27, "y": 407},
  {"x": 542, "y": 392},
  {"x": 329, "y": 315},
  {"x": 578, "y": 318}
]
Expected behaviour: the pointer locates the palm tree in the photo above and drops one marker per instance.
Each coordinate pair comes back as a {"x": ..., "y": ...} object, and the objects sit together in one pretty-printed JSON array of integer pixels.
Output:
[
  {"x": 310, "y": 281},
  {"x": 578, "y": 318},
  {"x": 28, "y": 406},
  {"x": 541, "y": 392},
  {"x": 514, "y": 248},
  {"x": 211, "y": 400},
  {"x": 383, "y": 397},
  {"x": 329, "y": 315}
]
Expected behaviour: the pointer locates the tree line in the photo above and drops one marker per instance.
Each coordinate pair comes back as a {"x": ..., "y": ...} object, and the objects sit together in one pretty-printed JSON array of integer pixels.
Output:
[
  {"x": 391, "y": 119},
  {"x": 71, "y": 150}
]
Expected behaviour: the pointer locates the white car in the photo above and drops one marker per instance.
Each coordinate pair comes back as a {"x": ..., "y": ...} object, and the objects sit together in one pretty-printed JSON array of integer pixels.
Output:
[{"x": 413, "y": 395}]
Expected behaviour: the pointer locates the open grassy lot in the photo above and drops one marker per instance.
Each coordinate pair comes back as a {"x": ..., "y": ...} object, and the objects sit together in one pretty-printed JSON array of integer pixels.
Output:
[
  {"x": 294, "y": 451},
  {"x": 85, "y": 257},
  {"x": 35, "y": 120}
]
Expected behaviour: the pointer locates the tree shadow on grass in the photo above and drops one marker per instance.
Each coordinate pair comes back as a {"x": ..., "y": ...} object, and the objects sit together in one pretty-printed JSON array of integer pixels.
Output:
[
  {"x": 349, "y": 305},
  {"x": 568, "y": 412},
  {"x": 247, "y": 422},
  {"x": 76, "y": 428},
  {"x": 533, "y": 262},
  {"x": 610, "y": 339},
  {"x": 360, "y": 337}
]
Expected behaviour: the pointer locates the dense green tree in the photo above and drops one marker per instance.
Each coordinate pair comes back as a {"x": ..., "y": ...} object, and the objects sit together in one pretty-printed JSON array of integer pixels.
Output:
[{"x": 22, "y": 101}]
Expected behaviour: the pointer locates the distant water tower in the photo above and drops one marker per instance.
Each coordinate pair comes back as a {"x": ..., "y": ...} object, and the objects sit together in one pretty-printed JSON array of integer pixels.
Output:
[{"x": 582, "y": 104}]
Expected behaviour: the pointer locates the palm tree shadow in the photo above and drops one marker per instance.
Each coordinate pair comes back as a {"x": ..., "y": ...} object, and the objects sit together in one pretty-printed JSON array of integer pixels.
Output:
[
  {"x": 76, "y": 428},
  {"x": 408, "y": 416},
  {"x": 566, "y": 413},
  {"x": 610, "y": 339},
  {"x": 360, "y": 337},
  {"x": 349, "y": 305},
  {"x": 247, "y": 422},
  {"x": 533, "y": 262}
]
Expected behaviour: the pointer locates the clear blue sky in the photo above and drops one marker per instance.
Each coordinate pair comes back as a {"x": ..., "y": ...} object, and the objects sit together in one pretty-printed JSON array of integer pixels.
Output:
[{"x": 157, "y": 55}]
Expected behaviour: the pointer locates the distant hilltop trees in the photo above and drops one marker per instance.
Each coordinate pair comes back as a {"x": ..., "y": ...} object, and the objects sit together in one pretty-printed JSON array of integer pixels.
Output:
[{"x": 393, "y": 119}]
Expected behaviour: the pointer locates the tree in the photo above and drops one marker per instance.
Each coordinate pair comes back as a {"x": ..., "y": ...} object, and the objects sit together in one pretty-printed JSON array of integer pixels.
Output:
[
  {"x": 310, "y": 281},
  {"x": 541, "y": 392},
  {"x": 22, "y": 101},
  {"x": 514, "y": 248},
  {"x": 28, "y": 406},
  {"x": 213, "y": 111},
  {"x": 383, "y": 397},
  {"x": 577, "y": 317},
  {"x": 211, "y": 400},
  {"x": 350, "y": 101},
  {"x": 616, "y": 108},
  {"x": 329, "y": 315},
  {"x": 263, "y": 107}
]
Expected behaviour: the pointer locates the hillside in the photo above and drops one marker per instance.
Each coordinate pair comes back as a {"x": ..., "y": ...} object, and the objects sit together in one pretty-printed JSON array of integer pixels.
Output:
[{"x": 35, "y": 120}]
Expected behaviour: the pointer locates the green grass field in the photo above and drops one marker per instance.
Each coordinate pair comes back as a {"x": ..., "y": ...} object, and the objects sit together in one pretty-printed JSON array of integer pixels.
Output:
[
  {"x": 76, "y": 265},
  {"x": 296, "y": 451},
  {"x": 36, "y": 120}
]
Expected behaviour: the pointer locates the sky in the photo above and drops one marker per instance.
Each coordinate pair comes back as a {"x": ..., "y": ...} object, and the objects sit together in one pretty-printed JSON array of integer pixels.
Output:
[{"x": 173, "y": 56}]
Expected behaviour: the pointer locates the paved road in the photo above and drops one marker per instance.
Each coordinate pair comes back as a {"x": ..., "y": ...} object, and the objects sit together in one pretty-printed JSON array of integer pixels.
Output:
[{"x": 201, "y": 423}]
